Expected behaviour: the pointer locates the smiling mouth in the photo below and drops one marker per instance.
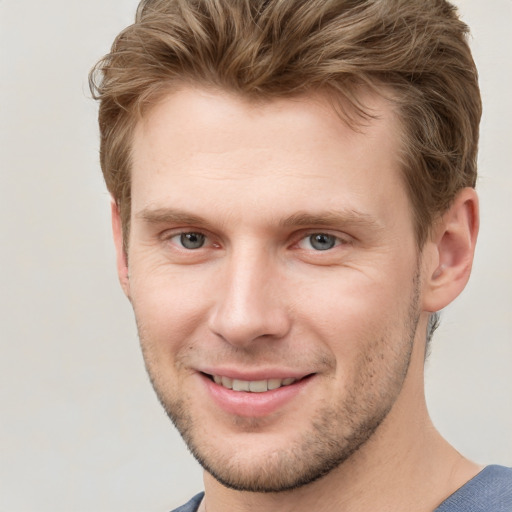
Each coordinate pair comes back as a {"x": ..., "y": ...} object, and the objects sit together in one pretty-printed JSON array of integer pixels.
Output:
[{"x": 252, "y": 386}]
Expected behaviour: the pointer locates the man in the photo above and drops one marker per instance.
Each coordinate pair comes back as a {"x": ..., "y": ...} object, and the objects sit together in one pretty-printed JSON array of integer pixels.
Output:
[{"x": 293, "y": 201}]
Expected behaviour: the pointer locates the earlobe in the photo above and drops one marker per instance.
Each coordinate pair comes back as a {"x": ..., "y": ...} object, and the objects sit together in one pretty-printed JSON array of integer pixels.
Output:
[
  {"x": 121, "y": 256},
  {"x": 453, "y": 242}
]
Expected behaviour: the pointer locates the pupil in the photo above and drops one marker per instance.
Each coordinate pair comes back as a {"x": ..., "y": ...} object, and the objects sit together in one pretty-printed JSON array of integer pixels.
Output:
[
  {"x": 322, "y": 242},
  {"x": 192, "y": 240}
]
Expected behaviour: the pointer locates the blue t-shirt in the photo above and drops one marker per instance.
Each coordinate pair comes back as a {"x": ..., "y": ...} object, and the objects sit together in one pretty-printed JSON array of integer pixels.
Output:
[{"x": 489, "y": 491}]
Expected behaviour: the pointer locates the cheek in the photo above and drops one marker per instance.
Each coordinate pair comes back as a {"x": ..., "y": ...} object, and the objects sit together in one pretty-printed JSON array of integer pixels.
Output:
[
  {"x": 346, "y": 302},
  {"x": 360, "y": 318},
  {"x": 169, "y": 306}
]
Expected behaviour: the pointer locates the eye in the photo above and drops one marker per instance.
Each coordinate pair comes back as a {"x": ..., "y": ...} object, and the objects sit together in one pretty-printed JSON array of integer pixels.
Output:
[
  {"x": 190, "y": 240},
  {"x": 319, "y": 242}
]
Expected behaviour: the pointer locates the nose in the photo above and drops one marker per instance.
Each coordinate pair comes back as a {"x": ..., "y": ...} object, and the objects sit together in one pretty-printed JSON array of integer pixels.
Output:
[{"x": 250, "y": 300}]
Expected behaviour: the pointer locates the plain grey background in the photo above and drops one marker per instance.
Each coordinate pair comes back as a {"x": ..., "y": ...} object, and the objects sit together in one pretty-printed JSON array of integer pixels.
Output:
[{"x": 80, "y": 428}]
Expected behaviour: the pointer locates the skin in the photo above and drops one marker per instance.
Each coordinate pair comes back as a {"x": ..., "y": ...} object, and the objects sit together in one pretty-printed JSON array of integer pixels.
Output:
[{"x": 258, "y": 299}]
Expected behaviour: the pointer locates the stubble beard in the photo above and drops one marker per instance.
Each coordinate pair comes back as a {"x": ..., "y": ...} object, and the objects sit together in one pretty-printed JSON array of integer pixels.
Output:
[{"x": 335, "y": 434}]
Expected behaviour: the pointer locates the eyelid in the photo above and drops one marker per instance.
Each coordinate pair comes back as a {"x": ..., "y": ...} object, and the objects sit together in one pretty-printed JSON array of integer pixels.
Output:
[
  {"x": 169, "y": 234},
  {"x": 172, "y": 232},
  {"x": 341, "y": 238}
]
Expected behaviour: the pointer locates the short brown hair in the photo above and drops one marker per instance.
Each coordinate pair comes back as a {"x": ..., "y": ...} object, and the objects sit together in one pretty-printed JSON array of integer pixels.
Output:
[{"x": 276, "y": 48}]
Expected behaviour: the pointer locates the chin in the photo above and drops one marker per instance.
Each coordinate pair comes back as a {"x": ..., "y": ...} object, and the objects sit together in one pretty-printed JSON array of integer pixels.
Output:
[{"x": 258, "y": 461}]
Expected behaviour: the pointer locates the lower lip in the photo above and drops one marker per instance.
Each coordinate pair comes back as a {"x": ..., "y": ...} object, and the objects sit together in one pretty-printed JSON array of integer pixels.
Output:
[{"x": 254, "y": 405}]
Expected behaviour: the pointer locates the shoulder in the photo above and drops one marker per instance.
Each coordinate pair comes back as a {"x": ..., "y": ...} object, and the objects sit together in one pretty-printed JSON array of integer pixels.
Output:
[
  {"x": 192, "y": 505},
  {"x": 489, "y": 491}
]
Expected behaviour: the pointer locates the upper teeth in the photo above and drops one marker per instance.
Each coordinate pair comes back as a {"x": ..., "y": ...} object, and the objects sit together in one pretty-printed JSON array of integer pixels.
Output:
[{"x": 254, "y": 386}]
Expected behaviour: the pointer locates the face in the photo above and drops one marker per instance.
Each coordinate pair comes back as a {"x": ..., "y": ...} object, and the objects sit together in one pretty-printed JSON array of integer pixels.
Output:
[{"x": 274, "y": 273}]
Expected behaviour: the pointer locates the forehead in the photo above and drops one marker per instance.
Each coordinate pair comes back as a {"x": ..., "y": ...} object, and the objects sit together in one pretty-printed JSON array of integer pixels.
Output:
[
  {"x": 223, "y": 150},
  {"x": 215, "y": 112}
]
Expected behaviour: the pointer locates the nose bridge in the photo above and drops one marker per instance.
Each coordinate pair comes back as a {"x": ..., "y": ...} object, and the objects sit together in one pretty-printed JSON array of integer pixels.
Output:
[{"x": 249, "y": 302}]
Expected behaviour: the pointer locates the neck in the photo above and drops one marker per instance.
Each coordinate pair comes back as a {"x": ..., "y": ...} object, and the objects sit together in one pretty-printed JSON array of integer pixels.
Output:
[{"x": 406, "y": 465}]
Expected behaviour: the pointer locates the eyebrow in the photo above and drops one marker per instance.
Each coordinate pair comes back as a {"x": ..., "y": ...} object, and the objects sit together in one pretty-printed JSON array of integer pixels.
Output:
[
  {"x": 331, "y": 218},
  {"x": 300, "y": 219},
  {"x": 169, "y": 216}
]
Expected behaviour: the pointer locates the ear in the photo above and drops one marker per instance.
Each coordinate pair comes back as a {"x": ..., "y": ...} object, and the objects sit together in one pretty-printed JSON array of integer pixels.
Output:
[
  {"x": 122, "y": 258},
  {"x": 452, "y": 247}
]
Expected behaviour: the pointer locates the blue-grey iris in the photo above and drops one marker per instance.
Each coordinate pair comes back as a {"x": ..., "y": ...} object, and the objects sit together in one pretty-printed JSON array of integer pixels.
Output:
[
  {"x": 192, "y": 240},
  {"x": 322, "y": 242}
]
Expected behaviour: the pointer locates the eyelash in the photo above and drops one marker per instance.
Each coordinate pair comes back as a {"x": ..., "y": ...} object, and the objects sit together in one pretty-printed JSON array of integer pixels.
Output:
[
  {"x": 180, "y": 235},
  {"x": 304, "y": 238},
  {"x": 316, "y": 237}
]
